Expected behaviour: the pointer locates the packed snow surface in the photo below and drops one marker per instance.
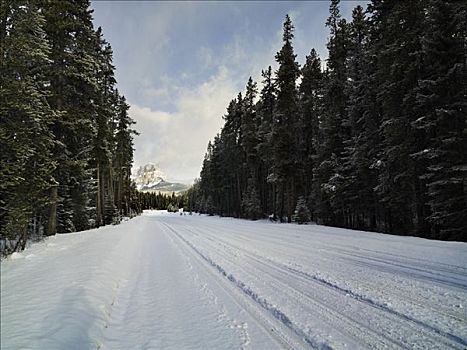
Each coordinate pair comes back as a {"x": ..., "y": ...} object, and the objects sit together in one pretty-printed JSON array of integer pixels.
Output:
[{"x": 170, "y": 281}]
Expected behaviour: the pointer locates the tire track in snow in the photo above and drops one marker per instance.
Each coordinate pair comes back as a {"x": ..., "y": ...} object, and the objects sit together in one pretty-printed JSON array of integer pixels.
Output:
[
  {"x": 213, "y": 299},
  {"x": 291, "y": 339},
  {"x": 402, "y": 295},
  {"x": 345, "y": 325},
  {"x": 424, "y": 264},
  {"x": 286, "y": 270},
  {"x": 332, "y": 316},
  {"x": 429, "y": 331},
  {"x": 418, "y": 266}
]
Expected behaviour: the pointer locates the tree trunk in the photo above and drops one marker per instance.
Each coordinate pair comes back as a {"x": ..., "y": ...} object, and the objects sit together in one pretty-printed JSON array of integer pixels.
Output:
[
  {"x": 281, "y": 195},
  {"x": 98, "y": 199},
  {"x": 239, "y": 199},
  {"x": 52, "y": 224},
  {"x": 289, "y": 201}
]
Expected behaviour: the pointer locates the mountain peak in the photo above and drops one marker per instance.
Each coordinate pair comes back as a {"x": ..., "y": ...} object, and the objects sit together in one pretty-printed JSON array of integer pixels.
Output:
[{"x": 150, "y": 178}]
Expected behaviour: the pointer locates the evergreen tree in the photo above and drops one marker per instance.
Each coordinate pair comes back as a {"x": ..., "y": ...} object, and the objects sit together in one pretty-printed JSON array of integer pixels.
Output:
[
  {"x": 310, "y": 107},
  {"x": 333, "y": 128},
  {"x": 251, "y": 205},
  {"x": 209, "y": 206},
  {"x": 442, "y": 105},
  {"x": 400, "y": 26},
  {"x": 249, "y": 131},
  {"x": 360, "y": 150},
  {"x": 265, "y": 112},
  {"x": 103, "y": 143},
  {"x": 123, "y": 156},
  {"x": 302, "y": 214},
  {"x": 233, "y": 156},
  {"x": 284, "y": 123},
  {"x": 26, "y": 164},
  {"x": 73, "y": 89}
]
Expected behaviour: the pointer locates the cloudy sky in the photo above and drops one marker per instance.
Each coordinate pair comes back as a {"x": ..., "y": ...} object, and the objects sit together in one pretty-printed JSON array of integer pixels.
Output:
[{"x": 180, "y": 63}]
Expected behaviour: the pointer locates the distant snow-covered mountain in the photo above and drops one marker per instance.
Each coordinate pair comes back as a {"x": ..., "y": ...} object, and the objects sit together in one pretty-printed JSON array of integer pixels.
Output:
[{"x": 150, "y": 178}]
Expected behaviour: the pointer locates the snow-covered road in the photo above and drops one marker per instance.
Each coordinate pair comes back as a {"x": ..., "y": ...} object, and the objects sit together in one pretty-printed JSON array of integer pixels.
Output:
[{"x": 165, "y": 281}]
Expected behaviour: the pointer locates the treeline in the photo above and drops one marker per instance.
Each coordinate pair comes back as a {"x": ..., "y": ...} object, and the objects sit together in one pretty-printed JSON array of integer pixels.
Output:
[
  {"x": 160, "y": 201},
  {"x": 375, "y": 140},
  {"x": 66, "y": 138}
]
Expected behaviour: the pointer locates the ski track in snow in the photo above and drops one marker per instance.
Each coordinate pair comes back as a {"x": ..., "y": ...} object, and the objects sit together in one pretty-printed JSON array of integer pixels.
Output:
[{"x": 165, "y": 281}]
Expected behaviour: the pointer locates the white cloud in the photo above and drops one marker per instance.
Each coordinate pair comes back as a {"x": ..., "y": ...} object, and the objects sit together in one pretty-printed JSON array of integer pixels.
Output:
[
  {"x": 205, "y": 56},
  {"x": 160, "y": 93},
  {"x": 177, "y": 141}
]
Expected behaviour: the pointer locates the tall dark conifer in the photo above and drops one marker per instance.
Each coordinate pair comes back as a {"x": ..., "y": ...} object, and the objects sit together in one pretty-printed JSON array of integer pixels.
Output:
[
  {"x": 311, "y": 89},
  {"x": 265, "y": 112},
  {"x": 400, "y": 25},
  {"x": 359, "y": 155},
  {"x": 123, "y": 156},
  {"x": 73, "y": 85},
  {"x": 441, "y": 102},
  {"x": 284, "y": 123},
  {"x": 26, "y": 164},
  {"x": 334, "y": 129},
  {"x": 250, "y": 146},
  {"x": 103, "y": 142}
]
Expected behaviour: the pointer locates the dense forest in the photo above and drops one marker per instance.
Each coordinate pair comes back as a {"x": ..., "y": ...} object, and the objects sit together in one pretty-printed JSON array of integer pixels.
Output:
[
  {"x": 374, "y": 138},
  {"x": 66, "y": 138},
  {"x": 160, "y": 201}
]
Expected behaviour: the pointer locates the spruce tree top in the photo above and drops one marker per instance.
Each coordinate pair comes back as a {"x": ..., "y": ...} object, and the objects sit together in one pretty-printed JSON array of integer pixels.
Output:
[{"x": 288, "y": 30}]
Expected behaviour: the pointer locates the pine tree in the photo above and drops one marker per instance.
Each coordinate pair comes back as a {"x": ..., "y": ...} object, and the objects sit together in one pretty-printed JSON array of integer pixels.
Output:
[
  {"x": 284, "y": 123},
  {"x": 251, "y": 205},
  {"x": 400, "y": 27},
  {"x": 123, "y": 156},
  {"x": 216, "y": 171},
  {"x": 265, "y": 112},
  {"x": 302, "y": 214},
  {"x": 333, "y": 127},
  {"x": 250, "y": 143},
  {"x": 73, "y": 89},
  {"x": 103, "y": 147},
  {"x": 360, "y": 150},
  {"x": 441, "y": 106},
  {"x": 209, "y": 206},
  {"x": 310, "y": 108},
  {"x": 25, "y": 140},
  {"x": 232, "y": 156},
  {"x": 248, "y": 128}
]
